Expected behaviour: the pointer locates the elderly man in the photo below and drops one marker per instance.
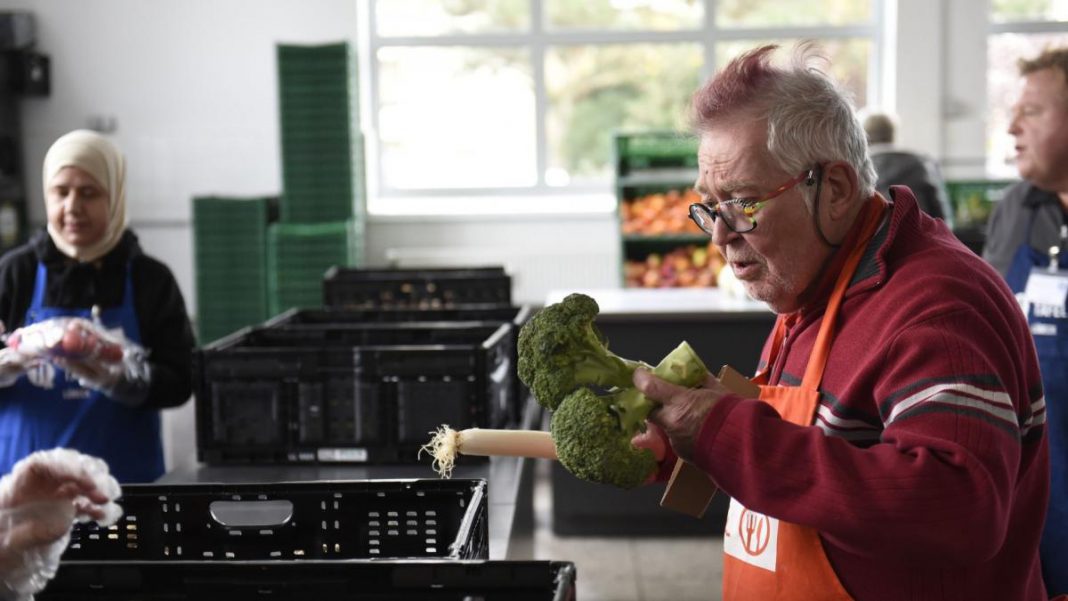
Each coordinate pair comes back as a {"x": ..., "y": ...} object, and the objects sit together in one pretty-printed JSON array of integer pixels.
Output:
[
  {"x": 1026, "y": 223},
  {"x": 897, "y": 449}
]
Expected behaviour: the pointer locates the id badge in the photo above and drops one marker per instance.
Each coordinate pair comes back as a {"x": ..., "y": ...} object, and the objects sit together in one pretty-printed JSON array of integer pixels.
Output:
[{"x": 1046, "y": 295}]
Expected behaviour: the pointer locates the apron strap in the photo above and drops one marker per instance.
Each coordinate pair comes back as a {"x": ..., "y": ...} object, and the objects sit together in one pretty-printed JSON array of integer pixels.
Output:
[{"x": 817, "y": 361}]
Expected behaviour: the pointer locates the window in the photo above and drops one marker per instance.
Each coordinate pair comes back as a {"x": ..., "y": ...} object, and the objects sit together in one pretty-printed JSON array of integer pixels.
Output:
[
  {"x": 520, "y": 98},
  {"x": 1018, "y": 29}
]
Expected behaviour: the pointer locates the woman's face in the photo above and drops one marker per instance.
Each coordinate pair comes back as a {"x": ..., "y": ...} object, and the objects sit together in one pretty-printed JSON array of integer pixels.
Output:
[{"x": 77, "y": 207}]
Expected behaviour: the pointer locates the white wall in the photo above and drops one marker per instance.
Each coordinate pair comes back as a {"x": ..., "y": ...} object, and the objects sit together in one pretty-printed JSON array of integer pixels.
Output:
[{"x": 191, "y": 85}]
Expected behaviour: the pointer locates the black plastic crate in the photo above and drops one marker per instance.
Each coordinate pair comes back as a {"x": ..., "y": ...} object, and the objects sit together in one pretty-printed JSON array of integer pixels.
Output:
[
  {"x": 320, "y": 580},
  {"x": 358, "y": 519},
  {"x": 517, "y": 316},
  {"x": 351, "y": 392},
  {"x": 434, "y": 288}
]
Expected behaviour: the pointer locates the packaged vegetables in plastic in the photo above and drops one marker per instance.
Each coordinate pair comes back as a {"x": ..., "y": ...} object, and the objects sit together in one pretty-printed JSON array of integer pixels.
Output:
[{"x": 98, "y": 357}]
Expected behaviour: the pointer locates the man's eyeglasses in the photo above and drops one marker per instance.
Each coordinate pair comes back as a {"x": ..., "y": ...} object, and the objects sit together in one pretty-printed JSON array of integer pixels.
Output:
[{"x": 737, "y": 213}]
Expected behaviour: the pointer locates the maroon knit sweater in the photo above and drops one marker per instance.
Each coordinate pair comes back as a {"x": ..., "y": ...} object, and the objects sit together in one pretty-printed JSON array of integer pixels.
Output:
[{"x": 926, "y": 472}]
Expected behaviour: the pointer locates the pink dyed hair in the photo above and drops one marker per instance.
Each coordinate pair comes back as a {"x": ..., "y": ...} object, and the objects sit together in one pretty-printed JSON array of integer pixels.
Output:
[
  {"x": 810, "y": 118},
  {"x": 735, "y": 86}
]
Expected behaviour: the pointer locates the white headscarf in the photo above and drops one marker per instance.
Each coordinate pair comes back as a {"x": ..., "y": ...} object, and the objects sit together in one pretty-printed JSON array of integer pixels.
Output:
[{"x": 97, "y": 156}]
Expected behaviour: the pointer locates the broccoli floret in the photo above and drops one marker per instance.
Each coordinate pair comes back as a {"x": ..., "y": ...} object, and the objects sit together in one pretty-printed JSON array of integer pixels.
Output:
[
  {"x": 560, "y": 350},
  {"x": 591, "y": 445}
]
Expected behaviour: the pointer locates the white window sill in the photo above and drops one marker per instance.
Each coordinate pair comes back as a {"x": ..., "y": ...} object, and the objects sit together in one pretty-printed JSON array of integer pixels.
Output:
[{"x": 491, "y": 207}]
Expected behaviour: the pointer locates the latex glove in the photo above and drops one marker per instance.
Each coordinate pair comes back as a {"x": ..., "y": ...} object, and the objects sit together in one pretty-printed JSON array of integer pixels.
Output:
[
  {"x": 12, "y": 365},
  {"x": 126, "y": 382},
  {"x": 90, "y": 374},
  {"x": 39, "y": 501}
]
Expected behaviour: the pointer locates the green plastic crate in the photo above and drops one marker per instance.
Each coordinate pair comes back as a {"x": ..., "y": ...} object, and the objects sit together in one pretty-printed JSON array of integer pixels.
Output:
[
  {"x": 299, "y": 254},
  {"x": 973, "y": 200},
  {"x": 230, "y": 254},
  {"x": 322, "y": 147},
  {"x": 650, "y": 150}
]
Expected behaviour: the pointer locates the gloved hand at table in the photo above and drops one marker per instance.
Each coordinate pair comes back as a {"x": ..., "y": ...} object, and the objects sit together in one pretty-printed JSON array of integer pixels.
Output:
[{"x": 39, "y": 501}]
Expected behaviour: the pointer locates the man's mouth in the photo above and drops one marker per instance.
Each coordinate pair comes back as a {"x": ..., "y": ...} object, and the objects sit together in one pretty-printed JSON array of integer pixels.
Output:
[{"x": 744, "y": 269}]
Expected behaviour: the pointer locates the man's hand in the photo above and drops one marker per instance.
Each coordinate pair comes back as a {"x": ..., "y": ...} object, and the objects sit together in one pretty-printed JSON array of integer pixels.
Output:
[{"x": 682, "y": 411}]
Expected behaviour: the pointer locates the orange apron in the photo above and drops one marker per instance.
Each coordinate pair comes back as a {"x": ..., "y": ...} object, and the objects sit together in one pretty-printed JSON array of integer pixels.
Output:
[{"x": 765, "y": 558}]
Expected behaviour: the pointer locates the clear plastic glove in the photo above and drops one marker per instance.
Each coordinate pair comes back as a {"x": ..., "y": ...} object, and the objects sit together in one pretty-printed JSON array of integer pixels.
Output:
[
  {"x": 98, "y": 358},
  {"x": 12, "y": 365},
  {"x": 39, "y": 501},
  {"x": 125, "y": 382}
]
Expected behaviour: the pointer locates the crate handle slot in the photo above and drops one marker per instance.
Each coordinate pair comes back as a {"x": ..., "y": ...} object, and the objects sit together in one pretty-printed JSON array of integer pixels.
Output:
[{"x": 251, "y": 514}]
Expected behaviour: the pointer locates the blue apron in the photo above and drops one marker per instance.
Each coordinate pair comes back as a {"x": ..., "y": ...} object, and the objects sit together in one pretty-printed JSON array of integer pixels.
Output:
[
  {"x": 46, "y": 408},
  {"x": 1050, "y": 331}
]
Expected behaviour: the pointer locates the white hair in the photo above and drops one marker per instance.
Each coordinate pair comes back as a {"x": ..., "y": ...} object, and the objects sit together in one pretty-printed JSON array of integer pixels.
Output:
[{"x": 811, "y": 119}]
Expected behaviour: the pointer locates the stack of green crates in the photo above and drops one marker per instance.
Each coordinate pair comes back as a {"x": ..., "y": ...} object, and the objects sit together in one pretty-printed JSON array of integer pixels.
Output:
[
  {"x": 324, "y": 196},
  {"x": 230, "y": 238},
  {"x": 299, "y": 254},
  {"x": 322, "y": 147}
]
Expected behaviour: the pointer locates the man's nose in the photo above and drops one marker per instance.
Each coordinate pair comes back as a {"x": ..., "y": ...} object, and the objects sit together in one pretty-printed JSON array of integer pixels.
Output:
[
  {"x": 1014, "y": 123},
  {"x": 721, "y": 234}
]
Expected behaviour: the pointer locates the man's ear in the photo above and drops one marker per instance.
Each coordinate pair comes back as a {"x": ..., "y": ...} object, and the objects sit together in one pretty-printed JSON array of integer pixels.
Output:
[{"x": 840, "y": 189}]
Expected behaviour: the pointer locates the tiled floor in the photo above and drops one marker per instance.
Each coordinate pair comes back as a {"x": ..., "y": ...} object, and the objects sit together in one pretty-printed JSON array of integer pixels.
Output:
[{"x": 630, "y": 569}]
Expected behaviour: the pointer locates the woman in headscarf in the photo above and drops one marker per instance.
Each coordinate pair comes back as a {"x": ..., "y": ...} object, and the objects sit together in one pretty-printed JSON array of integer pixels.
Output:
[{"x": 88, "y": 258}]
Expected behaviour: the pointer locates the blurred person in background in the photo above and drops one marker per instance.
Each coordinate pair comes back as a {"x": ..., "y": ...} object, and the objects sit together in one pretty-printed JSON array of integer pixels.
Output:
[
  {"x": 87, "y": 258},
  {"x": 1025, "y": 224},
  {"x": 896, "y": 449},
  {"x": 898, "y": 167}
]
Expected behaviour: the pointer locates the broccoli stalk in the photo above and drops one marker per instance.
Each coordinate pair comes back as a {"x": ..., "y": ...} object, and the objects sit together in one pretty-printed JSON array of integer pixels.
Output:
[
  {"x": 681, "y": 366},
  {"x": 561, "y": 350}
]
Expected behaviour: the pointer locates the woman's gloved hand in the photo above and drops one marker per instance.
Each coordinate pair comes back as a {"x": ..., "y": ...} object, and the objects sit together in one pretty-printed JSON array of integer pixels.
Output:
[
  {"x": 39, "y": 501},
  {"x": 12, "y": 365},
  {"x": 126, "y": 382}
]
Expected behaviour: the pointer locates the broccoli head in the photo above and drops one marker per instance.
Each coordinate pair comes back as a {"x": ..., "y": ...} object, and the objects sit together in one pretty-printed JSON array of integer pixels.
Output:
[
  {"x": 591, "y": 445},
  {"x": 560, "y": 350}
]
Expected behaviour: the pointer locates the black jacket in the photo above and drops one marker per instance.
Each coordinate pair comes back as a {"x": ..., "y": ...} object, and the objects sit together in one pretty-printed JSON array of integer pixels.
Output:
[
  {"x": 165, "y": 329},
  {"x": 920, "y": 174}
]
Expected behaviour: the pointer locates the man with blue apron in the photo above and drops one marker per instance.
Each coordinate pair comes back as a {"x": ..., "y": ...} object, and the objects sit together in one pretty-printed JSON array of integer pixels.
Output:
[
  {"x": 1041, "y": 286},
  {"x": 47, "y": 408}
]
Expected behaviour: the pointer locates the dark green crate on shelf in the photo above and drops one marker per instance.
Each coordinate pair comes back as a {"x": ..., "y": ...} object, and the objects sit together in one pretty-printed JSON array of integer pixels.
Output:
[
  {"x": 230, "y": 253},
  {"x": 973, "y": 200},
  {"x": 654, "y": 150},
  {"x": 299, "y": 254}
]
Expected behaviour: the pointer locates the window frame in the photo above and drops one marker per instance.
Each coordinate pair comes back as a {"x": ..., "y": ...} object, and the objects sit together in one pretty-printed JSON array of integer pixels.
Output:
[{"x": 580, "y": 197}]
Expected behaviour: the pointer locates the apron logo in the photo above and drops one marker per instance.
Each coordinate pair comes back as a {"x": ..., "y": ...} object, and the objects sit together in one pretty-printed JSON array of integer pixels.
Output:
[
  {"x": 42, "y": 375},
  {"x": 755, "y": 532},
  {"x": 751, "y": 537}
]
